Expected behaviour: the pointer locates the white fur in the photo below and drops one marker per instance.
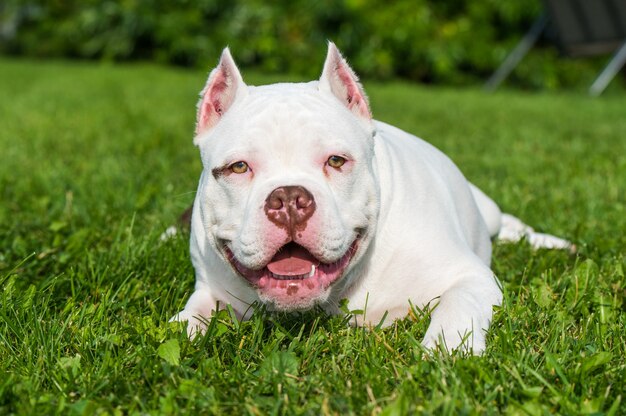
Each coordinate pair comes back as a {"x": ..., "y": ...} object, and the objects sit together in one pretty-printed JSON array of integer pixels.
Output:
[{"x": 426, "y": 230}]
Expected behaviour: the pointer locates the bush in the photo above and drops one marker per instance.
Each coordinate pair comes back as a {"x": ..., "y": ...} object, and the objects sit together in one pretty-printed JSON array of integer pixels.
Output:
[{"x": 453, "y": 41}]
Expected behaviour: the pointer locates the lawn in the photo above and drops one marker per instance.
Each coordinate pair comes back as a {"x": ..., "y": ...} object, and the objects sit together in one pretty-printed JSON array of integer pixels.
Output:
[{"x": 97, "y": 160}]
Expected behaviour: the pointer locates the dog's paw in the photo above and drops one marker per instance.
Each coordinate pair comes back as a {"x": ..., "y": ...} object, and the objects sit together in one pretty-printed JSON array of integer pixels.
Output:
[
  {"x": 196, "y": 325},
  {"x": 197, "y": 312},
  {"x": 465, "y": 341},
  {"x": 460, "y": 320}
]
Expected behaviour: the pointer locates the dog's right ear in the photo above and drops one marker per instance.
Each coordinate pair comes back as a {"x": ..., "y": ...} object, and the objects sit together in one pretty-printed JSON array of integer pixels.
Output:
[{"x": 223, "y": 87}]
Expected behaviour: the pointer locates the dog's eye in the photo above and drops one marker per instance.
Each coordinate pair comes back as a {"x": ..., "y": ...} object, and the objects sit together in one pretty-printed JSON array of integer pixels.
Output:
[
  {"x": 239, "y": 167},
  {"x": 336, "y": 161}
]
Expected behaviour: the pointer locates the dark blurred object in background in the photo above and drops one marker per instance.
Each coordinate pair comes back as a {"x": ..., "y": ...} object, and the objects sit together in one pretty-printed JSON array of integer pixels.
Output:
[{"x": 580, "y": 29}]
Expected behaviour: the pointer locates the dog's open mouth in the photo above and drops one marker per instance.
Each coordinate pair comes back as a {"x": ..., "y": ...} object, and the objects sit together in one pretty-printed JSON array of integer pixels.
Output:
[
  {"x": 294, "y": 278},
  {"x": 293, "y": 262}
]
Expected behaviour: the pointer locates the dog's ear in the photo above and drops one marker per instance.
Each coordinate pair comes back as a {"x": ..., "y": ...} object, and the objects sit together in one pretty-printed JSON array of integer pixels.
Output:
[
  {"x": 340, "y": 80},
  {"x": 223, "y": 87}
]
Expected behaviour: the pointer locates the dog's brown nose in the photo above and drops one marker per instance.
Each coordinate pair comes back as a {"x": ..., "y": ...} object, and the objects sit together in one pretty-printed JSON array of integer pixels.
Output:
[{"x": 290, "y": 207}]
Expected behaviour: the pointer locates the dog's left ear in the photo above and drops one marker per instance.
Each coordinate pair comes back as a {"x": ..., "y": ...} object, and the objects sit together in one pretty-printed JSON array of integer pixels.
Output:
[{"x": 340, "y": 80}]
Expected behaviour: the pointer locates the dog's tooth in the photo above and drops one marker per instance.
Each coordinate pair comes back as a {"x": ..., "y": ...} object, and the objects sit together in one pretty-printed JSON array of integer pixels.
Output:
[
  {"x": 296, "y": 276},
  {"x": 282, "y": 277}
]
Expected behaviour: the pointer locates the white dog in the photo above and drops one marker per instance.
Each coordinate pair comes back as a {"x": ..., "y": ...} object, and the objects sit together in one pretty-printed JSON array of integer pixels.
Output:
[{"x": 305, "y": 200}]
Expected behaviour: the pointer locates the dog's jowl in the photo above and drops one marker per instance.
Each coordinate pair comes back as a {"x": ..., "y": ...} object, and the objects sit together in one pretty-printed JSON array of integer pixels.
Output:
[{"x": 305, "y": 200}]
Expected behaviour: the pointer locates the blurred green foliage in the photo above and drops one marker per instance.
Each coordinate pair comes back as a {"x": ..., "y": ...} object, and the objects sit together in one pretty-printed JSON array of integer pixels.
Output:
[{"x": 452, "y": 41}]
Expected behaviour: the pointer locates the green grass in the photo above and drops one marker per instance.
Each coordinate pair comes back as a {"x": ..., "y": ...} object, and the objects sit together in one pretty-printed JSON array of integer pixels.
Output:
[{"x": 95, "y": 161}]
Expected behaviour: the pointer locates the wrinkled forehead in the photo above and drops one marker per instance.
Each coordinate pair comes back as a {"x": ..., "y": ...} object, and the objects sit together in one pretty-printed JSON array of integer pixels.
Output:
[
  {"x": 275, "y": 116},
  {"x": 295, "y": 109}
]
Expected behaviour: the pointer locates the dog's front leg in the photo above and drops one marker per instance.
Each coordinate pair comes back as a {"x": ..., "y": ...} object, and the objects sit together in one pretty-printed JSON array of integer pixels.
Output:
[{"x": 462, "y": 316}]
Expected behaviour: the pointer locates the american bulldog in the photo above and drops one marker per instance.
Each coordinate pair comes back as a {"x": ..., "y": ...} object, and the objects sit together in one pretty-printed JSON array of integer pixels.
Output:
[{"x": 305, "y": 200}]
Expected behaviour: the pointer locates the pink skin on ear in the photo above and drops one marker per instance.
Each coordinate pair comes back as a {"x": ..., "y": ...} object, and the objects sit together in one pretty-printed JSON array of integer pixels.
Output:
[
  {"x": 219, "y": 94},
  {"x": 341, "y": 81},
  {"x": 212, "y": 105},
  {"x": 355, "y": 97}
]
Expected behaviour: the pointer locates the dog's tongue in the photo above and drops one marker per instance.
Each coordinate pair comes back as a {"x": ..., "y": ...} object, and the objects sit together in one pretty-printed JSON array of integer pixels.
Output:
[{"x": 292, "y": 260}]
